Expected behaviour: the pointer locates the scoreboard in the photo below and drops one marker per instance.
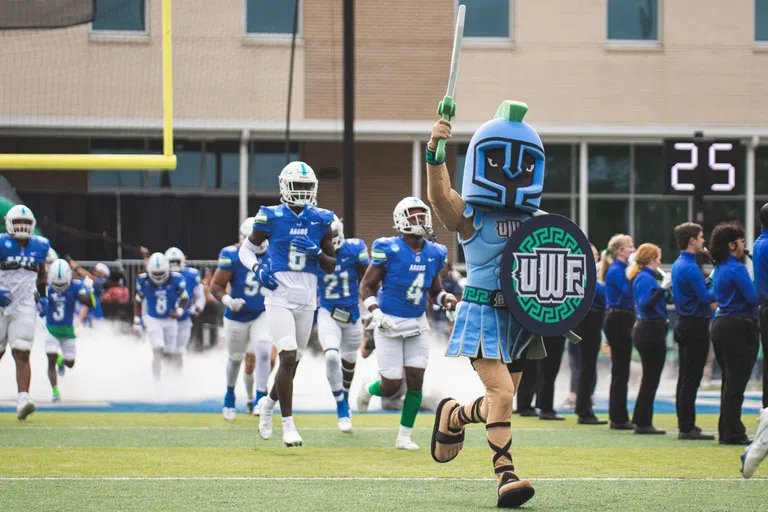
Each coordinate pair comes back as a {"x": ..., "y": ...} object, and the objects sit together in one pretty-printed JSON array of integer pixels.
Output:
[{"x": 703, "y": 166}]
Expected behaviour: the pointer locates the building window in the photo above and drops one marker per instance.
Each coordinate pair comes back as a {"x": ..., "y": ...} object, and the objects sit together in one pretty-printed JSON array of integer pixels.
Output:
[
  {"x": 461, "y": 159},
  {"x": 116, "y": 179},
  {"x": 649, "y": 169},
  {"x": 488, "y": 18},
  {"x": 607, "y": 217},
  {"x": 633, "y": 20},
  {"x": 655, "y": 221},
  {"x": 189, "y": 166},
  {"x": 120, "y": 16},
  {"x": 608, "y": 169},
  {"x": 267, "y": 160},
  {"x": 559, "y": 168},
  {"x": 761, "y": 20},
  {"x": 222, "y": 165},
  {"x": 270, "y": 18}
]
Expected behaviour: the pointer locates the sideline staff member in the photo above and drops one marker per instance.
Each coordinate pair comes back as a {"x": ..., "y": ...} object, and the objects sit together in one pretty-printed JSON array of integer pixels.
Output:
[
  {"x": 694, "y": 304},
  {"x": 734, "y": 329},
  {"x": 760, "y": 262},
  {"x": 619, "y": 319},
  {"x": 650, "y": 331}
]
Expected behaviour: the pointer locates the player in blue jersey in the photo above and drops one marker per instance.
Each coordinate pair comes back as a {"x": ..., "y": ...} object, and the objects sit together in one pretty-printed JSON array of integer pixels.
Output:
[
  {"x": 300, "y": 241},
  {"x": 339, "y": 327},
  {"x": 166, "y": 298},
  {"x": 177, "y": 262},
  {"x": 407, "y": 268},
  {"x": 63, "y": 294},
  {"x": 245, "y": 326},
  {"x": 23, "y": 290}
]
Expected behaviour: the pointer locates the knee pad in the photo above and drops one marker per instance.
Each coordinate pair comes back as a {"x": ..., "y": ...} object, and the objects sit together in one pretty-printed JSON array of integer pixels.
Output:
[
  {"x": 287, "y": 343},
  {"x": 237, "y": 356}
]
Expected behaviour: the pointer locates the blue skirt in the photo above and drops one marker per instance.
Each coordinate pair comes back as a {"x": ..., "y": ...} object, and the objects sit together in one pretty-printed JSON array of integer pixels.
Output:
[{"x": 493, "y": 329}]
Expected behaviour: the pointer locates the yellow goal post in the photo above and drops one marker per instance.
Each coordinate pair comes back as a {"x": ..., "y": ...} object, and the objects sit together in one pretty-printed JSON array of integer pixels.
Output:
[{"x": 166, "y": 161}]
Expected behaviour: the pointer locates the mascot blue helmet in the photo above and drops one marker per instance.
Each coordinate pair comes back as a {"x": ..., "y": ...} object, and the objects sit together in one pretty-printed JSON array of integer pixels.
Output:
[{"x": 504, "y": 167}]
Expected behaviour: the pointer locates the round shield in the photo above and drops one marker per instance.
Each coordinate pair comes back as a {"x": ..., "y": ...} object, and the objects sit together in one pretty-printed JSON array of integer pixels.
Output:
[{"x": 548, "y": 275}]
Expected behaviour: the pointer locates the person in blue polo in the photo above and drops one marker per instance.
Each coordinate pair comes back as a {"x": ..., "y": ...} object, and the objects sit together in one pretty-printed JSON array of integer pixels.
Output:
[
  {"x": 694, "y": 303},
  {"x": 760, "y": 262},
  {"x": 734, "y": 329}
]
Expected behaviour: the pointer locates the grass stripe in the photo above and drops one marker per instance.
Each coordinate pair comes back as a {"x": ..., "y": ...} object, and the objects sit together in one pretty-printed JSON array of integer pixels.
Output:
[{"x": 357, "y": 478}]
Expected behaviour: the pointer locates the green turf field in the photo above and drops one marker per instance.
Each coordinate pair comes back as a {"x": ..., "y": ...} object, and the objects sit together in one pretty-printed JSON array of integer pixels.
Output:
[{"x": 145, "y": 462}]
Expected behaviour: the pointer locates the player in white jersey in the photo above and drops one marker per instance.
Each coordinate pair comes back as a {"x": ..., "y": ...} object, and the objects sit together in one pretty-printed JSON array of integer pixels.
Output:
[
  {"x": 177, "y": 262},
  {"x": 300, "y": 241},
  {"x": 23, "y": 293}
]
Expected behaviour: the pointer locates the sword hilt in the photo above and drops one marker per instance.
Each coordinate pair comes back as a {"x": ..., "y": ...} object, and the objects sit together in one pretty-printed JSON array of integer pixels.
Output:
[
  {"x": 572, "y": 337},
  {"x": 445, "y": 109}
]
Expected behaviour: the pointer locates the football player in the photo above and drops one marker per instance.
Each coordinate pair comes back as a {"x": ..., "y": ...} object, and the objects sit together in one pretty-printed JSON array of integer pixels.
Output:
[
  {"x": 300, "y": 240},
  {"x": 177, "y": 262},
  {"x": 407, "y": 268},
  {"x": 22, "y": 272},
  {"x": 166, "y": 296},
  {"x": 63, "y": 294},
  {"x": 756, "y": 452},
  {"x": 245, "y": 326},
  {"x": 339, "y": 327}
]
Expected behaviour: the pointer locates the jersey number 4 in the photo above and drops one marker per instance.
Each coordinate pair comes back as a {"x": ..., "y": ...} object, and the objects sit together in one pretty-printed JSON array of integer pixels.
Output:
[
  {"x": 331, "y": 281},
  {"x": 416, "y": 291}
]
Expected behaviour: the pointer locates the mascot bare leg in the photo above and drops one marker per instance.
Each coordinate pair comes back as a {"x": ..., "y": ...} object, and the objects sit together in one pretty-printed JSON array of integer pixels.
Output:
[{"x": 510, "y": 165}]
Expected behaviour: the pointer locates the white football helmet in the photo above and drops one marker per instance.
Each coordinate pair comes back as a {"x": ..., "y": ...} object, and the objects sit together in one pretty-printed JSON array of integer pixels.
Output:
[
  {"x": 412, "y": 216},
  {"x": 176, "y": 259},
  {"x": 157, "y": 268},
  {"x": 60, "y": 275},
  {"x": 337, "y": 231},
  {"x": 246, "y": 228},
  {"x": 20, "y": 222},
  {"x": 298, "y": 184},
  {"x": 51, "y": 256}
]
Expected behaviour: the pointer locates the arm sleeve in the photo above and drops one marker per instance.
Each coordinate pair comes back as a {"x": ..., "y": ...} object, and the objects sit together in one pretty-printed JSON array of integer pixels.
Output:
[
  {"x": 247, "y": 254},
  {"x": 363, "y": 258},
  {"x": 703, "y": 295},
  {"x": 380, "y": 253},
  {"x": 745, "y": 286},
  {"x": 198, "y": 295},
  {"x": 261, "y": 220}
]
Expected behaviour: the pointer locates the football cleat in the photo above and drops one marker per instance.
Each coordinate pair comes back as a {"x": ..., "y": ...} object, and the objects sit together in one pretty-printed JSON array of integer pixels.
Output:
[
  {"x": 757, "y": 451},
  {"x": 229, "y": 413},
  {"x": 249, "y": 407},
  {"x": 291, "y": 438},
  {"x": 265, "y": 419},
  {"x": 345, "y": 424},
  {"x": 364, "y": 397},
  {"x": 405, "y": 443},
  {"x": 25, "y": 409},
  {"x": 56, "y": 398}
]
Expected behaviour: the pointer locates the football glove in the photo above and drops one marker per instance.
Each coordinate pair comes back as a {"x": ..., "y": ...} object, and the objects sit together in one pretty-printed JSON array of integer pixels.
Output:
[
  {"x": 5, "y": 298},
  {"x": 234, "y": 305},
  {"x": 307, "y": 246},
  {"x": 380, "y": 320},
  {"x": 42, "y": 306},
  {"x": 265, "y": 276}
]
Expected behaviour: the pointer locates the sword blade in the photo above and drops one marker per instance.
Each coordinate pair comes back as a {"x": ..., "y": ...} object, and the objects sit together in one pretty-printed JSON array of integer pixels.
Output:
[{"x": 457, "y": 37}]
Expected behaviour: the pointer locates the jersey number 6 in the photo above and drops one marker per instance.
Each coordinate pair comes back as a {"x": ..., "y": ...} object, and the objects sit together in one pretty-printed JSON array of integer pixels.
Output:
[{"x": 296, "y": 260}]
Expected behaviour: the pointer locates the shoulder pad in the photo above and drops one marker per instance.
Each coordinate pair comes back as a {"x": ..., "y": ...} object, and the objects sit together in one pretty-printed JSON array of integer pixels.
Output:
[
  {"x": 193, "y": 271},
  {"x": 381, "y": 248},
  {"x": 41, "y": 240},
  {"x": 143, "y": 275}
]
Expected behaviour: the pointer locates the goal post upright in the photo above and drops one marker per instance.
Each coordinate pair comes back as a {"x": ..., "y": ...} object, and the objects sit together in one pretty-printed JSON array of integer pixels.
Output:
[{"x": 73, "y": 162}]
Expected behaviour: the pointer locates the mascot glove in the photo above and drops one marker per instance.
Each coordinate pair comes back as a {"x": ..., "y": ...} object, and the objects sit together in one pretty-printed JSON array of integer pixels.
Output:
[
  {"x": 265, "y": 277},
  {"x": 42, "y": 306},
  {"x": 440, "y": 130},
  {"x": 5, "y": 298}
]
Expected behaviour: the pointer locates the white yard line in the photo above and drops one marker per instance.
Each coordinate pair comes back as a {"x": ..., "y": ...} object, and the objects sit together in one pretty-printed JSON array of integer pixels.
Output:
[
  {"x": 392, "y": 428},
  {"x": 357, "y": 478}
]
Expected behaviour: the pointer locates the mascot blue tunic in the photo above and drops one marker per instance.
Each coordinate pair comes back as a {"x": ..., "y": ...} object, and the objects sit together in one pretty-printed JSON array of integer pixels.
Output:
[{"x": 502, "y": 187}]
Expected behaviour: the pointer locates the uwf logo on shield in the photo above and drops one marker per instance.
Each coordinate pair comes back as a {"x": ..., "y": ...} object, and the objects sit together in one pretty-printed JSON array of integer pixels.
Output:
[{"x": 547, "y": 275}]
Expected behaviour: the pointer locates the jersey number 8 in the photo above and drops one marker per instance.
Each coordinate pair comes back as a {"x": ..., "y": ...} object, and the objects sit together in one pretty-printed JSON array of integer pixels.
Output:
[{"x": 161, "y": 304}]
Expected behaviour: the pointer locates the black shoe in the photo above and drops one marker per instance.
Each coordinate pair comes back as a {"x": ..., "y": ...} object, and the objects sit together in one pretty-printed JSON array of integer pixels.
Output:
[
  {"x": 650, "y": 429},
  {"x": 628, "y": 425},
  {"x": 550, "y": 415},
  {"x": 591, "y": 420},
  {"x": 745, "y": 441},
  {"x": 695, "y": 435},
  {"x": 527, "y": 412}
]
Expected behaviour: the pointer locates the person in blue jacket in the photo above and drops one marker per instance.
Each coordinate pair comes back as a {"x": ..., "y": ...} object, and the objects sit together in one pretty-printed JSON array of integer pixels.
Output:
[
  {"x": 649, "y": 333},
  {"x": 619, "y": 319},
  {"x": 590, "y": 329},
  {"x": 734, "y": 329}
]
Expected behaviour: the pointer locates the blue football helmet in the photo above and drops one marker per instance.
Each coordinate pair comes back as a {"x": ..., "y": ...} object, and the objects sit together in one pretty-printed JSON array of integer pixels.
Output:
[{"x": 504, "y": 167}]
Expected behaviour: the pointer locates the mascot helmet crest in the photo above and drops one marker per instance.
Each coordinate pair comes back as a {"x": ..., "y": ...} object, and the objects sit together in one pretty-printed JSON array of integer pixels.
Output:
[{"x": 505, "y": 160}]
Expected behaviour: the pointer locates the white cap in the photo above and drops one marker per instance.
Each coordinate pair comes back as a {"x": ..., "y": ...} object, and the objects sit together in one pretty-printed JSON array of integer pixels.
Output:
[{"x": 101, "y": 267}]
